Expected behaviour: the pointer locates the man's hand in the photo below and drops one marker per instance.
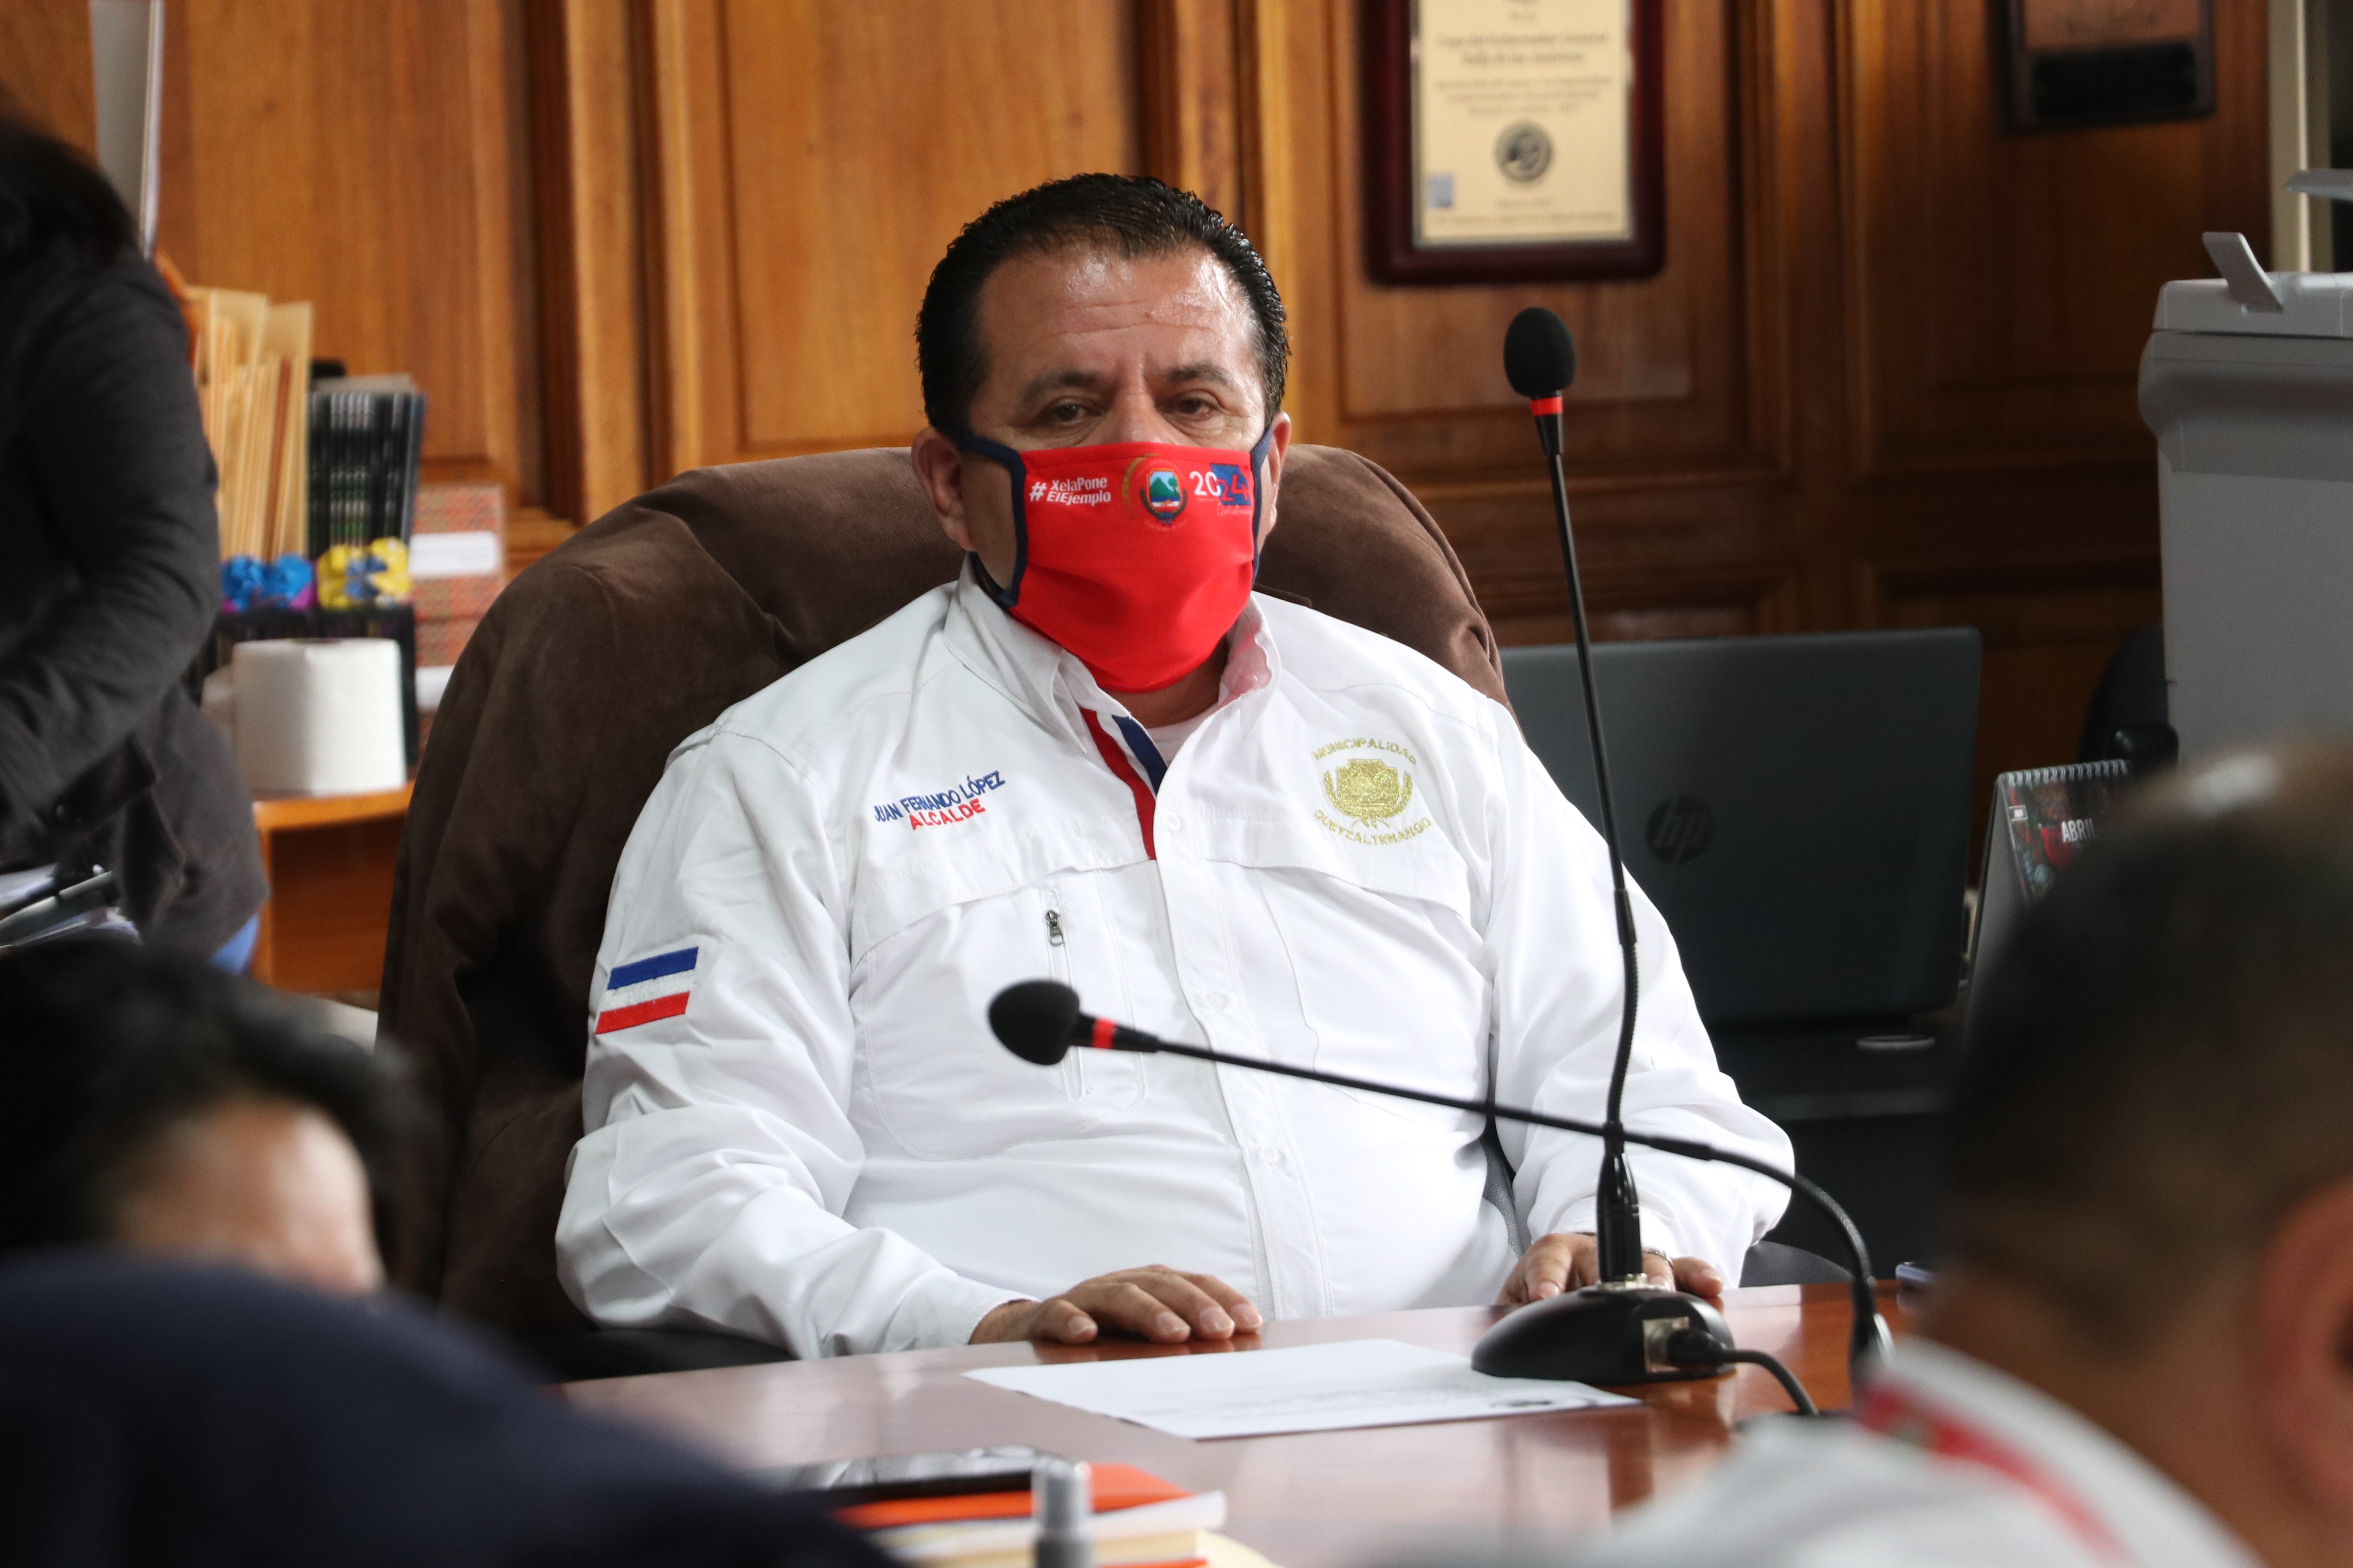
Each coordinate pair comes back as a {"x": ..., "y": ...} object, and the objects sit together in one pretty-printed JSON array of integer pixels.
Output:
[
  {"x": 1154, "y": 1303},
  {"x": 1566, "y": 1260}
]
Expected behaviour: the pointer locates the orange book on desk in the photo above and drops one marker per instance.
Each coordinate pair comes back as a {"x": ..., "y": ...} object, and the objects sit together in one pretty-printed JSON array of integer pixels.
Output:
[{"x": 1141, "y": 1521}]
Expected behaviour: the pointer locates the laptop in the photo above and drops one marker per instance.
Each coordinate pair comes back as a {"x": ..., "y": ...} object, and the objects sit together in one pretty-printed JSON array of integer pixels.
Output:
[{"x": 1798, "y": 807}]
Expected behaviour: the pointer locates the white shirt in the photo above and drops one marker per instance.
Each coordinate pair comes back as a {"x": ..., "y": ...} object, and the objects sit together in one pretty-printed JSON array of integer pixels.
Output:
[
  {"x": 800, "y": 1128},
  {"x": 2050, "y": 1490}
]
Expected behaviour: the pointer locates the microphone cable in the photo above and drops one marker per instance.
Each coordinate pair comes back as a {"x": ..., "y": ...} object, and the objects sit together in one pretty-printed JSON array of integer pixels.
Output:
[{"x": 1697, "y": 1347}]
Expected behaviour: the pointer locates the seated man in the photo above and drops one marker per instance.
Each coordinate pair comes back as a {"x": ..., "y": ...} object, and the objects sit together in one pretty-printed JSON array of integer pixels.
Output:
[
  {"x": 799, "y": 1127},
  {"x": 2140, "y": 1349},
  {"x": 158, "y": 1105}
]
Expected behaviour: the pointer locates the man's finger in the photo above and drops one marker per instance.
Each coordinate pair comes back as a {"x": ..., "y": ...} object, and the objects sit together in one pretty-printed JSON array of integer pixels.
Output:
[
  {"x": 1547, "y": 1269},
  {"x": 1699, "y": 1276},
  {"x": 1238, "y": 1306},
  {"x": 1200, "y": 1310},
  {"x": 1658, "y": 1270},
  {"x": 1064, "y": 1321},
  {"x": 1122, "y": 1304}
]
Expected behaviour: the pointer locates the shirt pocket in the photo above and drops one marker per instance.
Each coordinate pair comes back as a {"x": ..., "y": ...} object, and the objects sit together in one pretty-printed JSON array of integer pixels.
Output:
[
  {"x": 1386, "y": 962},
  {"x": 1083, "y": 950},
  {"x": 942, "y": 1085}
]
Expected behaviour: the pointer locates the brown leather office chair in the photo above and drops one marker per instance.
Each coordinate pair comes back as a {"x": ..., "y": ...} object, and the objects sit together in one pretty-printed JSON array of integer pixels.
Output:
[{"x": 588, "y": 670}]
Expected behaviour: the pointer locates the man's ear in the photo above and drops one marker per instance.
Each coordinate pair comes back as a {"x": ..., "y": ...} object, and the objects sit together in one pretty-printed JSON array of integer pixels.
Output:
[
  {"x": 1271, "y": 485},
  {"x": 2302, "y": 1306},
  {"x": 939, "y": 464}
]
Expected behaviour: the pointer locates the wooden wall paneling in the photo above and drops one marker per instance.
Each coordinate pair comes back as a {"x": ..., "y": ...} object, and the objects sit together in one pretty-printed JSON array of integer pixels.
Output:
[
  {"x": 45, "y": 65},
  {"x": 1291, "y": 209},
  {"x": 589, "y": 97},
  {"x": 815, "y": 160},
  {"x": 1190, "y": 82},
  {"x": 505, "y": 198},
  {"x": 1797, "y": 290},
  {"x": 2005, "y": 282},
  {"x": 360, "y": 157},
  {"x": 2000, "y": 289},
  {"x": 683, "y": 178}
]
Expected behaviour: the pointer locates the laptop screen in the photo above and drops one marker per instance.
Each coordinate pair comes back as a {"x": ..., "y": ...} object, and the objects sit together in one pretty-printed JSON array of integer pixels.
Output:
[{"x": 1798, "y": 807}]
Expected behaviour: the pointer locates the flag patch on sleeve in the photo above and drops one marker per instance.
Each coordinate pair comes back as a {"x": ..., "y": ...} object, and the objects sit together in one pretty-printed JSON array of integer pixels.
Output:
[{"x": 647, "y": 989}]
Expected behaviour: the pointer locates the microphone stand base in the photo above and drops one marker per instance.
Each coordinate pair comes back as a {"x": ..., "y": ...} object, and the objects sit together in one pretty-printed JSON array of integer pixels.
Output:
[{"x": 1602, "y": 1335}]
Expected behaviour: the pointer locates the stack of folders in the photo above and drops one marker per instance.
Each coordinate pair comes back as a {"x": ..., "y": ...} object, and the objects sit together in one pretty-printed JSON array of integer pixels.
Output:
[
  {"x": 367, "y": 433},
  {"x": 252, "y": 362},
  {"x": 1140, "y": 1521}
]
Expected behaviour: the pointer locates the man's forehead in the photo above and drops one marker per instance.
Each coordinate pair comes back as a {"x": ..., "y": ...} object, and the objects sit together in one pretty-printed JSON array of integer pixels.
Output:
[{"x": 1072, "y": 303}]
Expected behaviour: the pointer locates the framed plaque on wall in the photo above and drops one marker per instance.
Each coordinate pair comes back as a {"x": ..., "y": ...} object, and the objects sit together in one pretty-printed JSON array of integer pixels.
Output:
[{"x": 1514, "y": 140}]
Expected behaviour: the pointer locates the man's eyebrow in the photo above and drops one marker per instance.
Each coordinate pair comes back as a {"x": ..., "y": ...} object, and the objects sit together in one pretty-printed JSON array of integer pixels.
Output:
[
  {"x": 1057, "y": 380},
  {"x": 1209, "y": 371}
]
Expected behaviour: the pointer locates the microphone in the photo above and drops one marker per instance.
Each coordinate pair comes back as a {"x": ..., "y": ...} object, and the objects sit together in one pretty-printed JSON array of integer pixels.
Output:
[
  {"x": 1540, "y": 361},
  {"x": 1582, "y": 1336}
]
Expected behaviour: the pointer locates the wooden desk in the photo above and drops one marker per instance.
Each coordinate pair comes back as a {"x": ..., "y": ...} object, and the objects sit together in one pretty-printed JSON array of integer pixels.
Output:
[
  {"x": 330, "y": 862},
  {"x": 1314, "y": 1499}
]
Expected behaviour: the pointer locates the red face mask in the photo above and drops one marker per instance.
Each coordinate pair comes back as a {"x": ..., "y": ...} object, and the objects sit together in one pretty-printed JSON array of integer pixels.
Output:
[{"x": 1138, "y": 557}]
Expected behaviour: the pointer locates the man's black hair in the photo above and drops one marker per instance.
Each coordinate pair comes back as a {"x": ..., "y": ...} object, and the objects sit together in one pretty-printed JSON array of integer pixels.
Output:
[
  {"x": 1128, "y": 215},
  {"x": 51, "y": 194},
  {"x": 105, "y": 1044},
  {"x": 2163, "y": 1062}
]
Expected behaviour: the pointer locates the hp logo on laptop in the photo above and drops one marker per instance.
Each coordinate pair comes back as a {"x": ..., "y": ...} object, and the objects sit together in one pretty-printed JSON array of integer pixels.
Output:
[{"x": 1680, "y": 829}]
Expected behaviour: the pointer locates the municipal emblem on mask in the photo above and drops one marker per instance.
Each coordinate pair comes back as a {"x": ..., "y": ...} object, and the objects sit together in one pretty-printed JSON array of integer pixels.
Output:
[
  {"x": 1164, "y": 494},
  {"x": 1369, "y": 790}
]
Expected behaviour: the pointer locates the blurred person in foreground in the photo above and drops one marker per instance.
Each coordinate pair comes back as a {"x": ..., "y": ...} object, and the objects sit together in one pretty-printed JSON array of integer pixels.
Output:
[
  {"x": 2140, "y": 1349},
  {"x": 110, "y": 571},
  {"x": 155, "y": 1411},
  {"x": 192, "y": 1186},
  {"x": 159, "y": 1105}
]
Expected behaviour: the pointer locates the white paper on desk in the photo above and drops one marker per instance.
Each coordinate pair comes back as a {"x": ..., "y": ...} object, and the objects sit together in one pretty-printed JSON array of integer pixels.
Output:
[{"x": 1313, "y": 1388}]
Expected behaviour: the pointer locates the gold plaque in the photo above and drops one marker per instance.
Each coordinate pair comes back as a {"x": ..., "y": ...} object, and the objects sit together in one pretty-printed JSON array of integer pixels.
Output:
[{"x": 1522, "y": 122}]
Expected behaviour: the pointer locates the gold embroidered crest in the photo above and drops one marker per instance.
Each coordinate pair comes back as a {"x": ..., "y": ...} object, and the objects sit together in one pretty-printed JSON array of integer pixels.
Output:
[{"x": 1367, "y": 790}]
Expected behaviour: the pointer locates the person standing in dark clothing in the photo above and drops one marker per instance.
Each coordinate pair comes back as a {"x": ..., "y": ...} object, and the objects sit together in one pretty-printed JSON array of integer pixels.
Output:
[{"x": 108, "y": 568}]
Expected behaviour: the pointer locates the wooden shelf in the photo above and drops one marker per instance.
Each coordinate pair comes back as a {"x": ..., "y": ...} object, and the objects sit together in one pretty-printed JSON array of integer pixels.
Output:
[
  {"x": 329, "y": 860},
  {"x": 276, "y": 813}
]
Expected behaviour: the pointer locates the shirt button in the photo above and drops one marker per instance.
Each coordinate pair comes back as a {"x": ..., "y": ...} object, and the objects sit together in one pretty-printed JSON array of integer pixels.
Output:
[
  {"x": 1173, "y": 824},
  {"x": 1213, "y": 1001},
  {"x": 1270, "y": 1156}
]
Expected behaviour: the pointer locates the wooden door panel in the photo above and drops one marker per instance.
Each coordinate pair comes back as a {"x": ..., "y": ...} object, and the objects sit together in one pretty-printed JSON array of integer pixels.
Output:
[
  {"x": 829, "y": 152},
  {"x": 360, "y": 157},
  {"x": 2004, "y": 282}
]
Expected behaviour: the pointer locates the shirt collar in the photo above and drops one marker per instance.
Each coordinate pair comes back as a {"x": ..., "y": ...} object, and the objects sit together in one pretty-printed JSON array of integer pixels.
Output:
[
  {"x": 2151, "y": 1517},
  {"x": 1051, "y": 686}
]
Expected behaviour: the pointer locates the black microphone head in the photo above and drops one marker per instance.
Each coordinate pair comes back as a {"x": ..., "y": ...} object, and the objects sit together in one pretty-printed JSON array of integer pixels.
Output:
[
  {"x": 1035, "y": 1020},
  {"x": 1539, "y": 356}
]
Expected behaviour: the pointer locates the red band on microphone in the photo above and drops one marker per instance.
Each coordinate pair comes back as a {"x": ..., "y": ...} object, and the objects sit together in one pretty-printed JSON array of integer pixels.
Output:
[
  {"x": 1542, "y": 405},
  {"x": 1101, "y": 1039}
]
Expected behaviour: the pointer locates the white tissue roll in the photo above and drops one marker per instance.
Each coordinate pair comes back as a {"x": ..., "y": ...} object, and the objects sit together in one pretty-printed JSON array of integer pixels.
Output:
[
  {"x": 319, "y": 715},
  {"x": 220, "y": 702}
]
